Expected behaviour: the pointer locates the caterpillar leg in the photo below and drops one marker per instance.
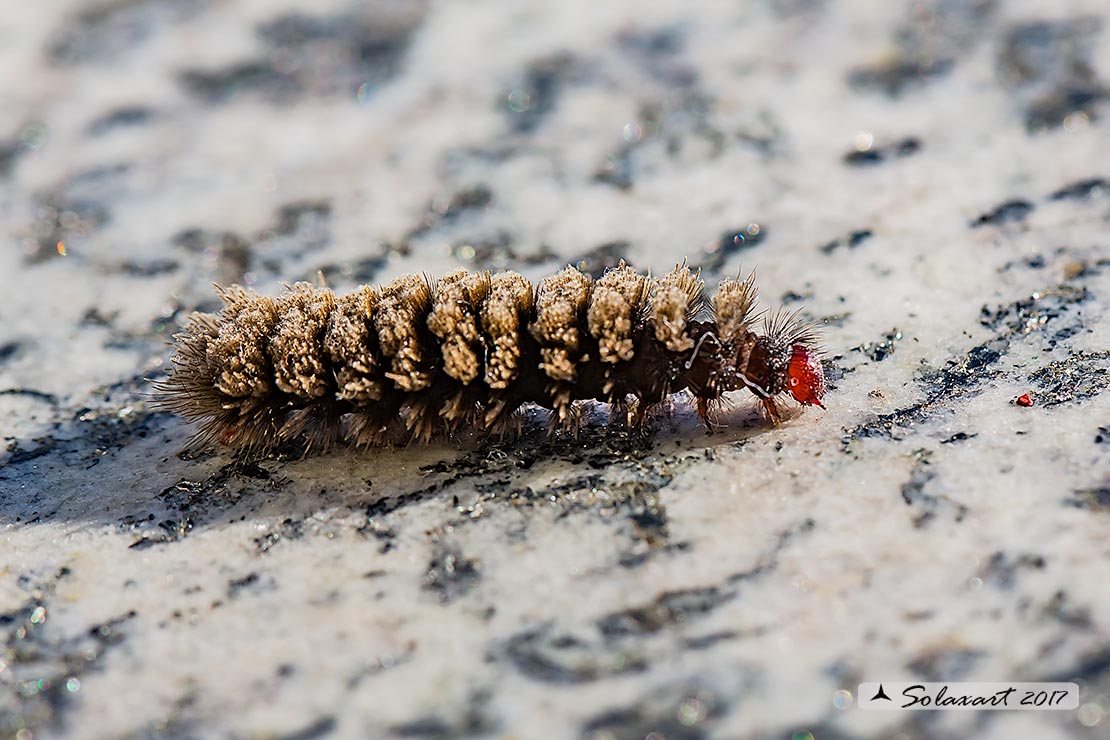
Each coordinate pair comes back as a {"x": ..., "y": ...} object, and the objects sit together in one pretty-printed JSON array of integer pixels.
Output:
[
  {"x": 566, "y": 418},
  {"x": 708, "y": 408},
  {"x": 772, "y": 410},
  {"x": 703, "y": 410},
  {"x": 620, "y": 412}
]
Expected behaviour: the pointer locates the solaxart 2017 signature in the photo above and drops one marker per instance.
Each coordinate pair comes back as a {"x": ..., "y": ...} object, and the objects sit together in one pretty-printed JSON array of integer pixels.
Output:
[{"x": 970, "y": 696}]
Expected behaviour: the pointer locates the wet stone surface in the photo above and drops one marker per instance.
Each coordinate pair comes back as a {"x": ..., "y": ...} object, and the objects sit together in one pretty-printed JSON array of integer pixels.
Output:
[{"x": 930, "y": 188}]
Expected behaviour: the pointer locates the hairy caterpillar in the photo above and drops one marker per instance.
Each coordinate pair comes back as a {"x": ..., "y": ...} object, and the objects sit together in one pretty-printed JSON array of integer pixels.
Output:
[{"x": 417, "y": 358}]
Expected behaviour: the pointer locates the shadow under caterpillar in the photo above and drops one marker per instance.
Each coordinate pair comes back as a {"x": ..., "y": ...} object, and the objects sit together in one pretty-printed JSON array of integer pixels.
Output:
[{"x": 417, "y": 358}]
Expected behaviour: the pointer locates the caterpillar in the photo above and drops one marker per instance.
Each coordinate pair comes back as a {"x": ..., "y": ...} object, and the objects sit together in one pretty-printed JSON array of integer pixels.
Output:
[{"x": 417, "y": 358}]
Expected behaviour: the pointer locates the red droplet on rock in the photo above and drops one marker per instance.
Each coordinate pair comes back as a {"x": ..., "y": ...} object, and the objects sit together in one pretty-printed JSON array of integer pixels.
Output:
[
  {"x": 1024, "y": 400},
  {"x": 805, "y": 377}
]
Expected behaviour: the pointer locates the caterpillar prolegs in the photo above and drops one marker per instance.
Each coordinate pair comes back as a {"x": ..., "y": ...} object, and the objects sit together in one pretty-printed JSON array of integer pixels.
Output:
[{"x": 417, "y": 358}]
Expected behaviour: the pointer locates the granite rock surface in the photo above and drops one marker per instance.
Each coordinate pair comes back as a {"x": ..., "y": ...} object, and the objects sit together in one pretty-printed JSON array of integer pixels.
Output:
[{"x": 928, "y": 179}]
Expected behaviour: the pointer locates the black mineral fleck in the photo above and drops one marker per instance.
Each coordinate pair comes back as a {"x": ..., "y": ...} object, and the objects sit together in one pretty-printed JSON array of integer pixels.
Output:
[
  {"x": 1081, "y": 189},
  {"x": 879, "y": 350},
  {"x": 1048, "y": 66},
  {"x": 534, "y": 97},
  {"x": 874, "y": 155},
  {"x": 544, "y": 654},
  {"x": 927, "y": 45},
  {"x": 678, "y": 712},
  {"x": 917, "y": 493},
  {"x": 44, "y": 664},
  {"x": 346, "y": 54},
  {"x": 219, "y": 85},
  {"x": 10, "y": 152},
  {"x": 945, "y": 664},
  {"x": 668, "y": 609},
  {"x": 106, "y": 29},
  {"x": 132, "y": 115},
  {"x": 450, "y": 574},
  {"x": 1091, "y": 499},
  {"x": 236, "y": 585},
  {"x": 1002, "y": 569},
  {"x": 1012, "y": 211},
  {"x": 8, "y": 350},
  {"x": 732, "y": 242},
  {"x": 851, "y": 241},
  {"x": 73, "y": 209},
  {"x": 1079, "y": 377},
  {"x": 321, "y": 727}
]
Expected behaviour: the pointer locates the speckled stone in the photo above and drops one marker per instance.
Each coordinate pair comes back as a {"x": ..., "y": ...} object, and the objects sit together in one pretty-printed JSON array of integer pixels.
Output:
[{"x": 929, "y": 179}]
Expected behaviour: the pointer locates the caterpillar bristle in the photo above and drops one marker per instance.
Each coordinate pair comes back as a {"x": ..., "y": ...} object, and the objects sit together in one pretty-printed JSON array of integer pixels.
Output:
[
  {"x": 421, "y": 358},
  {"x": 788, "y": 327}
]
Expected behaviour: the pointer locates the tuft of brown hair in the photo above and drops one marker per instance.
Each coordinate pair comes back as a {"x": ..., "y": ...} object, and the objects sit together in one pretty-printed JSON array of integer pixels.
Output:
[
  {"x": 732, "y": 307},
  {"x": 676, "y": 301},
  {"x": 400, "y": 321},
  {"x": 560, "y": 312},
  {"x": 352, "y": 349},
  {"x": 454, "y": 320},
  {"x": 618, "y": 301},
  {"x": 509, "y": 307}
]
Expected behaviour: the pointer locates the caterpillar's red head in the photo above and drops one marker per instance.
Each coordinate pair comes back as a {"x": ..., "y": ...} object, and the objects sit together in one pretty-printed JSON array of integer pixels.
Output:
[{"x": 805, "y": 377}]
